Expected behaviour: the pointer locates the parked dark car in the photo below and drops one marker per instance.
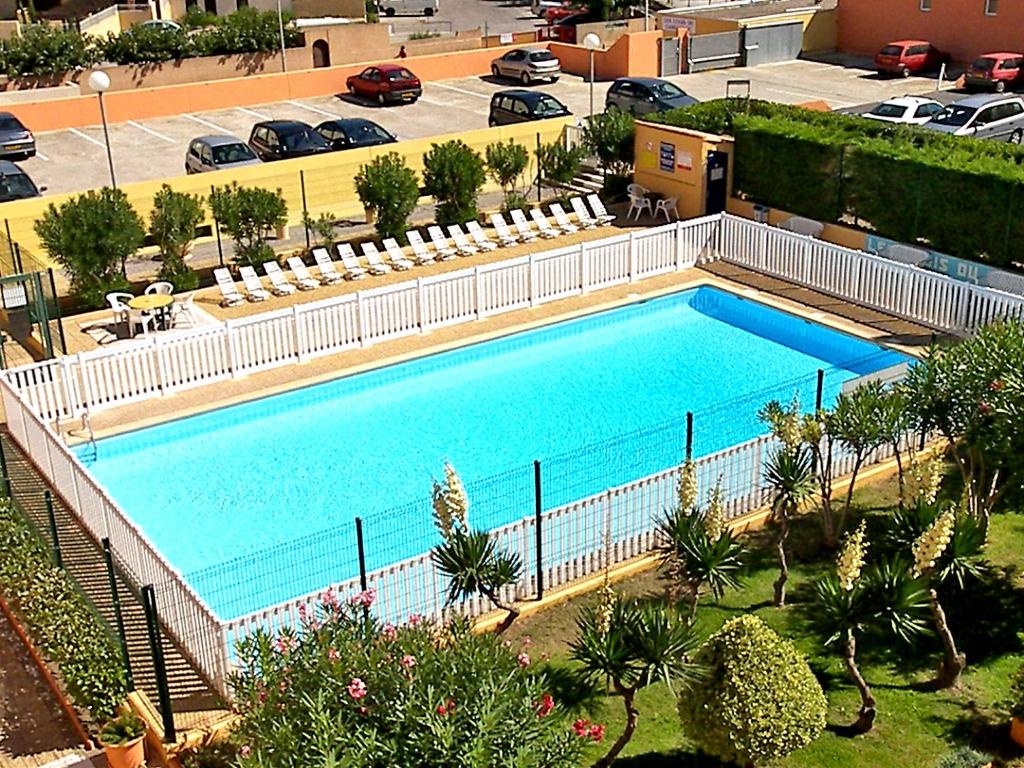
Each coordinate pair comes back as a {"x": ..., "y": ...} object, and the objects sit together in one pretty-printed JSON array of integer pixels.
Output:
[
  {"x": 15, "y": 184},
  {"x": 1000, "y": 118},
  {"x": 995, "y": 72},
  {"x": 907, "y": 57},
  {"x": 352, "y": 132},
  {"x": 386, "y": 83},
  {"x": 644, "y": 95},
  {"x": 564, "y": 30},
  {"x": 213, "y": 153},
  {"x": 284, "y": 139},
  {"x": 15, "y": 139},
  {"x": 521, "y": 106}
]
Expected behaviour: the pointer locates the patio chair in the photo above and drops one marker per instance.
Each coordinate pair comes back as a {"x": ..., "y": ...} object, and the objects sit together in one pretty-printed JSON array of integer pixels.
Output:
[
  {"x": 254, "y": 290},
  {"x": 600, "y": 212},
  {"x": 162, "y": 287},
  {"x": 329, "y": 275},
  {"x": 638, "y": 204},
  {"x": 667, "y": 206},
  {"x": 441, "y": 244},
  {"x": 304, "y": 280},
  {"x": 279, "y": 284},
  {"x": 353, "y": 269},
  {"x": 562, "y": 219},
  {"x": 546, "y": 230},
  {"x": 419, "y": 248},
  {"x": 637, "y": 189},
  {"x": 505, "y": 236},
  {"x": 480, "y": 237},
  {"x": 582, "y": 214},
  {"x": 373, "y": 259},
  {"x": 118, "y": 302},
  {"x": 522, "y": 225},
  {"x": 182, "y": 310},
  {"x": 462, "y": 243},
  {"x": 229, "y": 295},
  {"x": 396, "y": 255}
]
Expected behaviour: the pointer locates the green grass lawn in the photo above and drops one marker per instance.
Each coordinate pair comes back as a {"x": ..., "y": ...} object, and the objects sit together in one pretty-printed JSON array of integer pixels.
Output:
[{"x": 914, "y": 727}]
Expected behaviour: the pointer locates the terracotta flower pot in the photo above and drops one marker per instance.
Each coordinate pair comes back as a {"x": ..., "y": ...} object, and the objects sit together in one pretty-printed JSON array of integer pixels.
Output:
[
  {"x": 1017, "y": 730},
  {"x": 130, "y": 755}
]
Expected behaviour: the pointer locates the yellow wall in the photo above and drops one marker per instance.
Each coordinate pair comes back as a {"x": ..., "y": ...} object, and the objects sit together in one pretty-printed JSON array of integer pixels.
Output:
[
  {"x": 329, "y": 184},
  {"x": 821, "y": 30},
  {"x": 686, "y": 180}
]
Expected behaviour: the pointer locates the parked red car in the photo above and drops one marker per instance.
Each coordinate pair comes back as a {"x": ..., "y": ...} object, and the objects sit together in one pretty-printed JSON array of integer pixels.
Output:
[
  {"x": 906, "y": 57},
  {"x": 564, "y": 30},
  {"x": 551, "y": 15},
  {"x": 386, "y": 83},
  {"x": 996, "y": 72}
]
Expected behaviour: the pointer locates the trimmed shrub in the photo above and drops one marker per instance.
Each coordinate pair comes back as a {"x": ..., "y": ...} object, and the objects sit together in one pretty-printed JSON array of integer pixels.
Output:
[
  {"x": 611, "y": 136},
  {"x": 506, "y": 164},
  {"x": 964, "y": 757},
  {"x": 172, "y": 224},
  {"x": 146, "y": 45},
  {"x": 760, "y": 701},
  {"x": 387, "y": 187},
  {"x": 453, "y": 174},
  {"x": 45, "y": 50},
  {"x": 248, "y": 216},
  {"x": 558, "y": 165},
  {"x": 59, "y": 619}
]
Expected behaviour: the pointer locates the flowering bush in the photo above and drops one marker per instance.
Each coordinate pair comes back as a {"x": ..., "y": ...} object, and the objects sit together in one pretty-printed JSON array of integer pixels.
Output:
[{"x": 345, "y": 689}]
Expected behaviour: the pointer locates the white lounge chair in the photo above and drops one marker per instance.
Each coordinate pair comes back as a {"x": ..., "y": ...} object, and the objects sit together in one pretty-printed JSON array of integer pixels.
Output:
[
  {"x": 419, "y": 248},
  {"x": 373, "y": 259},
  {"x": 305, "y": 281},
  {"x": 229, "y": 295},
  {"x": 522, "y": 225},
  {"x": 254, "y": 290},
  {"x": 353, "y": 269},
  {"x": 582, "y": 214},
  {"x": 441, "y": 244},
  {"x": 505, "y": 236},
  {"x": 329, "y": 275},
  {"x": 396, "y": 255},
  {"x": 546, "y": 230},
  {"x": 562, "y": 219},
  {"x": 279, "y": 284},
  {"x": 479, "y": 236},
  {"x": 465, "y": 247},
  {"x": 600, "y": 212}
]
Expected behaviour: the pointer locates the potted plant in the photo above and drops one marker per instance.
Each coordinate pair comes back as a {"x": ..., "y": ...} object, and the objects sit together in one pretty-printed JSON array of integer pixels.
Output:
[
  {"x": 1017, "y": 706},
  {"x": 121, "y": 739}
]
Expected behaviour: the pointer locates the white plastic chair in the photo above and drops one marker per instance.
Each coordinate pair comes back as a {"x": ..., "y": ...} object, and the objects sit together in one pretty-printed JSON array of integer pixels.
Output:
[
  {"x": 667, "y": 206},
  {"x": 254, "y": 289},
  {"x": 637, "y": 189},
  {"x": 419, "y": 248},
  {"x": 396, "y": 255},
  {"x": 162, "y": 288},
  {"x": 582, "y": 214},
  {"x": 638, "y": 204},
  {"x": 546, "y": 230},
  {"x": 279, "y": 284},
  {"x": 119, "y": 305},
  {"x": 183, "y": 310},
  {"x": 465, "y": 247},
  {"x": 305, "y": 281},
  {"x": 479, "y": 236},
  {"x": 353, "y": 269},
  {"x": 373, "y": 259},
  {"x": 230, "y": 297},
  {"x": 562, "y": 219},
  {"x": 329, "y": 275},
  {"x": 505, "y": 236},
  {"x": 441, "y": 244}
]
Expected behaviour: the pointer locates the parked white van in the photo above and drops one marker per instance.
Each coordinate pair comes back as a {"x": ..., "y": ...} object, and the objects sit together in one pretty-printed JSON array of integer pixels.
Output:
[{"x": 407, "y": 7}]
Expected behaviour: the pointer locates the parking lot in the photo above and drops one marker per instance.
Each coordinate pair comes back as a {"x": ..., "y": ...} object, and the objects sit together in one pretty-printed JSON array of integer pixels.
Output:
[{"x": 75, "y": 159}]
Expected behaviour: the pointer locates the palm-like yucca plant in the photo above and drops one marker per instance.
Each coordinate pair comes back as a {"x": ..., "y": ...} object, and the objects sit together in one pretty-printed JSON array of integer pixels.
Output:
[
  {"x": 790, "y": 477},
  {"x": 632, "y": 646}
]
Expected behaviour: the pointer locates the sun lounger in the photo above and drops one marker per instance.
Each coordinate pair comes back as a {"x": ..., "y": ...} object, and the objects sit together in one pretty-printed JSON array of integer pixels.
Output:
[
  {"x": 562, "y": 219},
  {"x": 522, "y": 225},
  {"x": 480, "y": 237},
  {"x": 419, "y": 248},
  {"x": 441, "y": 244},
  {"x": 396, "y": 255},
  {"x": 353, "y": 269},
  {"x": 600, "y": 212},
  {"x": 279, "y": 284},
  {"x": 329, "y": 275},
  {"x": 229, "y": 295},
  {"x": 305, "y": 281},
  {"x": 373, "y": 259},
  {"x": 253, "y": 287},
  {"x": 582, "y": 214},
  {"x": 465, "y": 247},
  {"x": 546, "y": 230}
]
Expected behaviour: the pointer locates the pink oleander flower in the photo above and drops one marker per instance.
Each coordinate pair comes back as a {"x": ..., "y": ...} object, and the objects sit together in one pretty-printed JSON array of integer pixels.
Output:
[
  {"x": 408, "y": 661},
  {"x": 545, "y": 705},
  {"x": 523, "y": 658},
  {"x": 363, "y": 710},
  {"x": 262, "y": 696},
  {"x": 596, "y": 732},
  {"x": 330, "y": 598},
  {"x": 245, "y": 751},
  {"x": 527, "y": 642},
  {"x": 389, "y": 632},
  {"x": 996, "y": 385},
  {"x": 581, "y": 728},
  {"x": 333, "y": 654},
  {"x": 415, "y": 619},
  {"x": 356, "y": 688},
  {"x": 442, "y": 710},
  {"x": 282, "y": 686},
  {"x": 365, "y": 599}
]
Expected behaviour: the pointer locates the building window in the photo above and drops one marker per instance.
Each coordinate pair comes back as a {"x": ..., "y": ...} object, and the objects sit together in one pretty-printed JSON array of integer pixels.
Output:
[
  {"x": 991, "y": 6},
  {"x": 926, "y": 5}
]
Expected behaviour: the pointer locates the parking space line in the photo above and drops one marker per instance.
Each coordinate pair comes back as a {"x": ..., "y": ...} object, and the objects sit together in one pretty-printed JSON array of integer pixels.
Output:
[
  {"x": 313, "y": 109},
  {"x": 461, "y": 90},
  {"x": 207, "y": 123},
  {"x": 86, "y": 136},
  {"x": 435, "y": 103},
  {"x": 245, "y": 111},
  {"x": 41, "y": 156},
  {"x": 151, "y": 132}
]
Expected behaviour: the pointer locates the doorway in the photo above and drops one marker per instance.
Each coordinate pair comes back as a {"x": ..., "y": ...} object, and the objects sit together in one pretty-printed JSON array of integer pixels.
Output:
[{"x": 321, "y": 54}]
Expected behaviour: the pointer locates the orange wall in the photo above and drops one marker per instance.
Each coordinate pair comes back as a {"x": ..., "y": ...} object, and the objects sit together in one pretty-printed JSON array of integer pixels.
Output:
[
  {"x": 958, "y": 26},
  {"x": 633, "y": 55}
]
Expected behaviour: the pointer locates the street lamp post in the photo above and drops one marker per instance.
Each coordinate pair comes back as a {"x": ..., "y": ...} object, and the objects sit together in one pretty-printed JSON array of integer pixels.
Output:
[
  {"x": 280, "y": 28},
  {"x": 591, "y": 42},
  {"x": 99, "y": 81}
]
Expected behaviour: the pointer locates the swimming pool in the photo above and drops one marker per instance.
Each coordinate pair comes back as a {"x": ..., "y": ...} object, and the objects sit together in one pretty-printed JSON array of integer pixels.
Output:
[{"x": 254, "y": 503}]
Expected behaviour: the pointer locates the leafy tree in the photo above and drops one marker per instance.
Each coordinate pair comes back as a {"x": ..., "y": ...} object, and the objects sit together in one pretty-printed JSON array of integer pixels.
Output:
[
  {"x": 42, "y": 49},
  {"x": 387, "y": 186},
  {"x": 248, "y": 215},
  {"x": 759, "y": 702},
  {"x": 632, "y": 646},
  {"x": 322, "y": 228},
  {"x": 470, "y": 560},
  {"x": 557, "y": 165},
  {"x": 172, "y": 224},
  {"x": 453, "y": 174},
  {"x": 895, "y": 422},
  {"x": 972, "y": 393},
  {"x": 92, "y": 236},
  {"x": 345, "y": 689},
  {"x": 856, "y": 423},
  {"x": 247, "y": 30},
  {"x": 146, "y": 45},
  {"x": 506, "y": 164},
  {"x": 610, "y": 136},
  {"x": 791, "y": 480}
]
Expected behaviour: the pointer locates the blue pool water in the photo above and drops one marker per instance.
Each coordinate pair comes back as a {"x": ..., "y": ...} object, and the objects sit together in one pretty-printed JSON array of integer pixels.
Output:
[{"x": 255, "y": 503}]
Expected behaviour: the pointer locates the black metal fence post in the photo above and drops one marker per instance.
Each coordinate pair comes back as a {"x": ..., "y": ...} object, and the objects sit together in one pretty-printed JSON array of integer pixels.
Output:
[
  {"x": 820, "y": 392},
  {"x": 115, "y": 599},
  {"x": 539, "y": 196},
  {"x": 362, "y": 553},
  {"x": 689, "y": 435},
  {"x": 305, "y": 209},
  {"x": 8, "y": 490},
  {"x": 159, "y": 665},
  {"x": 3, "y": 461},
  {"x": 216, "y": 230},
  {"x": 58, "y": 558},
  {"x": 538, "y": 509},
  {"x": 56, "y": 308}
]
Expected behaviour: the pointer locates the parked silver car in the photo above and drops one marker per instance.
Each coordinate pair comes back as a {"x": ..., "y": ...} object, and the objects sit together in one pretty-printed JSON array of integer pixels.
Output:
[
  {"x": 985, "y": 117},
  {"x": 214, "y": 153},
  {"x": 527, "y": 65},
  {"x": 15, "y": 139}
]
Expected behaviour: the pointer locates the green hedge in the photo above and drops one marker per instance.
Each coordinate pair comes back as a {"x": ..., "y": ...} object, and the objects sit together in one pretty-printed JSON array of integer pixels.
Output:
[
  {"x": 957, "y": 195},
  {"x": 59, "y": 620}
]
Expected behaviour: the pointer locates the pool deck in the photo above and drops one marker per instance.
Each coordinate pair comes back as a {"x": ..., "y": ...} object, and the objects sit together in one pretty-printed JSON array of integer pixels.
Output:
[{"x": 825, "y": 310}]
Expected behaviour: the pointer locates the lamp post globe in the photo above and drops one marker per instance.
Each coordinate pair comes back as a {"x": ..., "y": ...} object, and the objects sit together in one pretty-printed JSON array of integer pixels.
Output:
[
  {"x": 99, "y": 81},
  {"x": 591, "y": 42}
]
